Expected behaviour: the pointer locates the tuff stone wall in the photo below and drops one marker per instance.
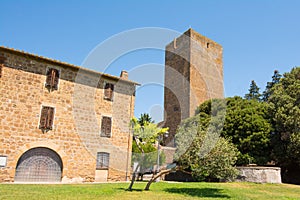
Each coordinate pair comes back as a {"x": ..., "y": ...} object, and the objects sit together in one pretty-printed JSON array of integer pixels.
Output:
[
  {"x": 206, "y": 71},
  {"x": 193, "y": 74},
  {"x": 177, "y": 86},
  {"x": 79, "y": 106}
]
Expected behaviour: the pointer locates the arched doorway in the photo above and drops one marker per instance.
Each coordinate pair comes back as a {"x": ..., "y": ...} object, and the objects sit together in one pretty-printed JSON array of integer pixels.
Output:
[{"x": 39, "y": 165}]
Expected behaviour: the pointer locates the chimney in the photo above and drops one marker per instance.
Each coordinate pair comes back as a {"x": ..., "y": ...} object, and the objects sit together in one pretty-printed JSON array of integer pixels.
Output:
[{"x": 124, "y": 75}]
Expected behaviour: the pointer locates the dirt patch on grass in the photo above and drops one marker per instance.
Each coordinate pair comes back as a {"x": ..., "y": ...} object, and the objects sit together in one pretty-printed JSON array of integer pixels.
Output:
[
  {"x": 239, "y": 185},
  {"x": 291, "y": 186}
]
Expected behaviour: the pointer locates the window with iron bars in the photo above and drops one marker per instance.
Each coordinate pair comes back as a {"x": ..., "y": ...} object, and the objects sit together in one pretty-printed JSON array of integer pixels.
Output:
[{"x": 102, "y": 160}]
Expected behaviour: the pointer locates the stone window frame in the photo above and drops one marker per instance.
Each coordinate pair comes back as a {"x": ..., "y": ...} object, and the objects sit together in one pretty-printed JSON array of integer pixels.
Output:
[
  {"x": 52, "y": 113},
  {"x": 109, "y": 94},
  {"x": 103, "y": 133},
  {"x": 4, "y": 158},
  {"x": 102, "y": 160},
  {"x": 52, "y": 86}
]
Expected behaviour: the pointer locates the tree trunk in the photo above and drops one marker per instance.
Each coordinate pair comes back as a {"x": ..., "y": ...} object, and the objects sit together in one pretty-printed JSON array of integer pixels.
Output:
[
  {"x": 133, "y": 178},
  {"x": 135, "y": 171},
  {"x": 167, "y": 171}
]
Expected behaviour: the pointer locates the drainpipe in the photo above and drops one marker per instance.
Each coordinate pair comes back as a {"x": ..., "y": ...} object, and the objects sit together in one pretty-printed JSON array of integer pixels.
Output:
[{"x": 129, "y": 138}]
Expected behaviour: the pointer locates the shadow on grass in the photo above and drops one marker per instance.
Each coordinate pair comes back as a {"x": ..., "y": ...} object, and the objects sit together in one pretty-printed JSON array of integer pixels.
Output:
[
  {"x": 198, "y": 192},
  {"x": 133, "y": 189}
]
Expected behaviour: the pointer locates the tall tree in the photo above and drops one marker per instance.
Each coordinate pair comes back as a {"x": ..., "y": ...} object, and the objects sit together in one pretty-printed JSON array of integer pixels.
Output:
[
  {"x": 285, "y": 109},
  {"x": 268, "y": 91},
  {"x": 253, "y": 92},
  {"x": 145, "y": 119},
  {"x": 248, "y": 126}
]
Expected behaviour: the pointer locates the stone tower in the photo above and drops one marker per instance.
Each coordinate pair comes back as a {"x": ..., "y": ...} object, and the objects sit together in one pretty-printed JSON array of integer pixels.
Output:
[{"x": 193, "y": 74}]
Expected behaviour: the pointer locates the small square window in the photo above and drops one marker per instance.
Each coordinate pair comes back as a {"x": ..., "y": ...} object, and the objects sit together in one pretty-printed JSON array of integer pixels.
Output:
[
  {"x": 106, "y": 127},
  {"x": 52, "y": 79},
  {"x": 46, "y": 119},
  {"x": 176, "y": 109},
  {"x": 109, "y": 91},
  {"x": 102, "y": 160}
]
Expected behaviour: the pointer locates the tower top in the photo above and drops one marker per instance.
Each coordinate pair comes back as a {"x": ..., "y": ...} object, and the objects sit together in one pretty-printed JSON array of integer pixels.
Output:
[{"x": 194, "y": 36}]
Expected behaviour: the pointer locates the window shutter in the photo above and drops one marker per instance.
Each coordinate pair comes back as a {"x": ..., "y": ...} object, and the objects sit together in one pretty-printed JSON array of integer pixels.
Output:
[
  {"x": 53, "y": 74},
  {"x": 106, "y": 127},
  {"x": 50, "y": 117},
  {"x": 43, "y": 118},
  {"x": 47, "y": 116},
  {"x": 103, "y": 128},
  {"x": 52, "y": 78},
  {"x": 108, "y": 91},
  {"x": 48, "y": 78},
  {"x": 55, "y": 79},
  {"x": 111, "y": 91}
]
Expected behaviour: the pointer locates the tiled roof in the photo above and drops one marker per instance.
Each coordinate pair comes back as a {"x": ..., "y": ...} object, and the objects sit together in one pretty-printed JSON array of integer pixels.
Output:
[{"x": 53, "y": 61}]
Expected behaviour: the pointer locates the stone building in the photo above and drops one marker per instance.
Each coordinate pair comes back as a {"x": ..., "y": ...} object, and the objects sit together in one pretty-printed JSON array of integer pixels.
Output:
[
  {"x": 62, "y": 123},
  {"x": 193, "y": 74}
]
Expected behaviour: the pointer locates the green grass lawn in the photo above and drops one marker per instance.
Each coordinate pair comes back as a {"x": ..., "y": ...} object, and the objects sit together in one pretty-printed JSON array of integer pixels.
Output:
[{"x": 161, "y": 190}]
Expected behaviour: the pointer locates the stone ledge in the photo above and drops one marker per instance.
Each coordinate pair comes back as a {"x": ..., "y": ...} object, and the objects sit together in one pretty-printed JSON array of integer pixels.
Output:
[{"x": 259, "y": 174}]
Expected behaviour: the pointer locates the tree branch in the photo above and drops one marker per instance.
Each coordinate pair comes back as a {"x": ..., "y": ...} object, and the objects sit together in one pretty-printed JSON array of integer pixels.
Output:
[{"x": 166, "y": 171}]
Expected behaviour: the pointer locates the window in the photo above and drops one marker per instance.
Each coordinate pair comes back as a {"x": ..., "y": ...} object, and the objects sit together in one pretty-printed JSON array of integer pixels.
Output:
[
  {"x": 102, "y": 160},
  {"x": 1, "y": 66},
  {"x": 176, "y": 109},
  {"x": 52, "y": 79},
  {"x": 109, "y": 91},
  {"x": 46, "y": 119},
  {"x": 106, "y": 127}
]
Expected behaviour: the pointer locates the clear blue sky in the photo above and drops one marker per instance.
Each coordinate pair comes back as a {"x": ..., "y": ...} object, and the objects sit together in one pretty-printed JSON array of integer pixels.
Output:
[{"x": 257, "y": 36}]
